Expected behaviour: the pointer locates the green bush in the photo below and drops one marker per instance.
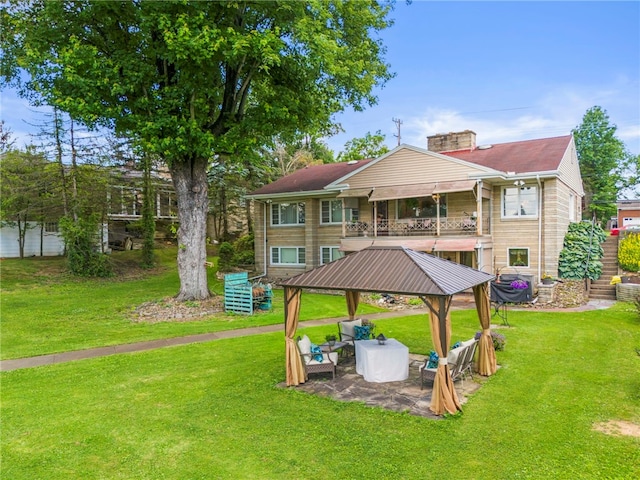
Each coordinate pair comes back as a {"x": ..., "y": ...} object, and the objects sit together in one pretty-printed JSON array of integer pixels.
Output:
[
  {"x": 82, "y": 245},
  {"x": 226, "y": 253},
  {"x": 581, "y": 252},
  {"x": 244, "y": 252},
  {"x": 629, "y": 253}
]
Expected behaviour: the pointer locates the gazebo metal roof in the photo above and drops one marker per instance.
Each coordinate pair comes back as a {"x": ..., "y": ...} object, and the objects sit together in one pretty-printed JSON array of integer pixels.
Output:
[{"x": 397, "y": 270}]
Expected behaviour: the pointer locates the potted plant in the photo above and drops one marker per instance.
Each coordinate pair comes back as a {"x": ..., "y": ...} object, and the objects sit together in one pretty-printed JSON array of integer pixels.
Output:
[
  {"x": 547, "y": 279},
  {"x": 331, "y": 340}
]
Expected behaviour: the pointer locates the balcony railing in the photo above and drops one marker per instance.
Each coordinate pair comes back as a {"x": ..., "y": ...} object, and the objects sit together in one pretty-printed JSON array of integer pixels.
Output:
[{"x": 417, "y": 227}]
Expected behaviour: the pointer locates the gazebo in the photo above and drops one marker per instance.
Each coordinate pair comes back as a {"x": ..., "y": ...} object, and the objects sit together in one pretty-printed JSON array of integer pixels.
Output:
[{"x": 402, "y": 271}]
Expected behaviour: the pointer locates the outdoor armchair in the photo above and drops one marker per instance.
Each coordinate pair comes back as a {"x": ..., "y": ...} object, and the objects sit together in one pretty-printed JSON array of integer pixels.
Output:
[
  {"x": 459, "y": 361},
  {"x": 313, "y": 360}
]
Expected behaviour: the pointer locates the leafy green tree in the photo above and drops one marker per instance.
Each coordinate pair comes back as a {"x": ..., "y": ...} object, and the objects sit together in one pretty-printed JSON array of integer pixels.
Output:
[
  {"x": 603, "y": 159},
  {"x": 27, "y": 186},
  {"x": 369, "y": 146},
  {"x": 192, "y": 80}
]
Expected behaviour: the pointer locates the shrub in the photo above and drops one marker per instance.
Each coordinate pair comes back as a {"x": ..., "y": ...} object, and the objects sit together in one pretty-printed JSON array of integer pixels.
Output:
[
  {"x": 581, "y": 252},
  {"x": 629, "y": 253},
  {"x": 226, "y": 253},
  {"x": 498, "y": 340},
  {"x": 82, "y": 243}
]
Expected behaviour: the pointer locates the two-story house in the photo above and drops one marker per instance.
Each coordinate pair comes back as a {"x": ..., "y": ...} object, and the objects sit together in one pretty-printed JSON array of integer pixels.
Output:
[{"x": 498, "y": 208}]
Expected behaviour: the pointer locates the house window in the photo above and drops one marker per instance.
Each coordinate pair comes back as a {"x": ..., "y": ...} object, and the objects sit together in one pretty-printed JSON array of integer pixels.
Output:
[
  {"x": 423, "y": 207},
  {"x": 519, "y": 202},
  {"x": 519, "y": 257},
  {"x": 51, "y": 227},
  {"x": 287, "y": 256},
  {"x": 331, "y": 212},
  {"x": 287, "y": 213},
  {"x": 329, "y": 254}
]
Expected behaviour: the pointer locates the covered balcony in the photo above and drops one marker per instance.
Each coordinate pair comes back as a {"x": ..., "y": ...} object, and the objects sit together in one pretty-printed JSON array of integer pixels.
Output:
[{"x": 451, "y": 216}]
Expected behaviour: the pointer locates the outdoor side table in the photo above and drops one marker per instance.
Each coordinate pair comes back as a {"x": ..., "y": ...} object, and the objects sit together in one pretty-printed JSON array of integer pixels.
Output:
[{"x": 382, "y": 363}]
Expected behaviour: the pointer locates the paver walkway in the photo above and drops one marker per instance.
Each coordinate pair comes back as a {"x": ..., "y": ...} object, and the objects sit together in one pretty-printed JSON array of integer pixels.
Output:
[{"x": 19, "y": 363}]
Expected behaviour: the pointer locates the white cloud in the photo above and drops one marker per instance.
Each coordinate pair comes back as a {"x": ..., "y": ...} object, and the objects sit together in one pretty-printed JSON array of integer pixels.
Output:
[{"x": 556, "y": 113}]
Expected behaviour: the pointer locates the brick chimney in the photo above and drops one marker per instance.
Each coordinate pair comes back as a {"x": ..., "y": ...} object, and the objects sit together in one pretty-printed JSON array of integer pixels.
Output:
[{"x": 452, "y": 141}]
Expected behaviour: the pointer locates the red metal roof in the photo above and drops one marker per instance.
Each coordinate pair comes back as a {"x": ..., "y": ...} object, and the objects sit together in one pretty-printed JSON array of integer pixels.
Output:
[
  {"x": 310, "y": 178},
  {"x": 527, "y": 156}
]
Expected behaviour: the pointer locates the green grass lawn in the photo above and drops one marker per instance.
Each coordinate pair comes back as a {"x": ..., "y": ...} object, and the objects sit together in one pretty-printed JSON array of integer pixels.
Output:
[
  {"x": 214, "y": 410},
  {"x": 44, "y": 311}
]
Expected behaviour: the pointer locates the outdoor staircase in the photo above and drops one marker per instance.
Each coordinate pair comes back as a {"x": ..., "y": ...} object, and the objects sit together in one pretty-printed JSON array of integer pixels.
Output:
[{"x": 601, "y": 288}]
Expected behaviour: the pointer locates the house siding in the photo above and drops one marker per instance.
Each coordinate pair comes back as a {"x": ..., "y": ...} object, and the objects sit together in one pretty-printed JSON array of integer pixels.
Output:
[
  {"x": 407, "y": 166},
  {"x": 569, "y": 170},
  {"x": 560, "y": 194},
  {"x": 52, "y": 243}
]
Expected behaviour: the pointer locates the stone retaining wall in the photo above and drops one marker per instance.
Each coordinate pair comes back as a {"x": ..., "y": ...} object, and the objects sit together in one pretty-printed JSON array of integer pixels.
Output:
[
  {"x": 546, "y": 293},
  {"x": 627, "y": 292}
]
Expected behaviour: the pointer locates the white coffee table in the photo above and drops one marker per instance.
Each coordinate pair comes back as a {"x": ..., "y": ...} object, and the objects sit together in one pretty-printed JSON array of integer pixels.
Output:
[{"x": 382, "y": 363}]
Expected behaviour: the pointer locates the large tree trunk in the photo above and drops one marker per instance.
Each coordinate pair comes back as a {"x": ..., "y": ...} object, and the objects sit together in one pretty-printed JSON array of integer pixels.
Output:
[{"x": 190, "y": 183}]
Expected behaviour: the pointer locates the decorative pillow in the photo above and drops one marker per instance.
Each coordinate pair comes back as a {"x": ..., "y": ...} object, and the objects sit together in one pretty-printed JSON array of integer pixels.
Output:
[
  {"x": 347, "y": 328},
  {"x": 317, "y": 352},
  {"x": 362, "y": 332},
  {"x": 433, "y": 360},
  {"x": 456, "y": 345}
]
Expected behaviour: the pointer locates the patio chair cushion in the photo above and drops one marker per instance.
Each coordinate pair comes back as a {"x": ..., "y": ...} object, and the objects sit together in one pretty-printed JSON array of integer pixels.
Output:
[
  {"x": 362, "y": 332},
  {"x": 452, "y": 356},
  {"x": 469, "y": 342},
  {"x": 305, "y": 345},
  {"x": 347, "y": 328},
  {"x": 333, "y": 356}
]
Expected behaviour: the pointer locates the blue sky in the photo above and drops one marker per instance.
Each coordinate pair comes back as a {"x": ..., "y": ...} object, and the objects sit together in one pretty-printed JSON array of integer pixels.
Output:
[{"x": 507, "y": 70}]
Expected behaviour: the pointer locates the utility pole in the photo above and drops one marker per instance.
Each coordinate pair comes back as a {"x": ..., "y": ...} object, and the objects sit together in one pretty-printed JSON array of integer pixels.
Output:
[{"x": 398, "y": 122}]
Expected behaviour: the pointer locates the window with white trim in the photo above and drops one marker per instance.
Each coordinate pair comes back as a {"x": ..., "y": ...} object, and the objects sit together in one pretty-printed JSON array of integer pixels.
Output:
[
  {"x": 518, "y": 256},
  {"x": 331, "y": 212},
  {"x": 520, "y": 202},
  {"x": 329, "y": 254},
  {"x": 287, "y": 256},
  {"x": 51, "y": 227},
  {"x": 287, "y": 213}
]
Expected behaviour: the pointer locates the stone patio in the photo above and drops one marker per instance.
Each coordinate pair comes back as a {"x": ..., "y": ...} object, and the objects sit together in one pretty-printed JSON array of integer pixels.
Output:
[{"x": 405, "y": 396}]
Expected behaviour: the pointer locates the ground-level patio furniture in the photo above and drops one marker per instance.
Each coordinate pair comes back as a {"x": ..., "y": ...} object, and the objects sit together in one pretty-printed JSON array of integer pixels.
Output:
[
  {"x": 351, "y": 331},
  {"x": 401, "y": 271},
  {"x": 388, "y": 362},
  {"x": 316, "y": 362},
  {"x": 335, "y": 347},
  {"x": 459, "y": 361}
]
